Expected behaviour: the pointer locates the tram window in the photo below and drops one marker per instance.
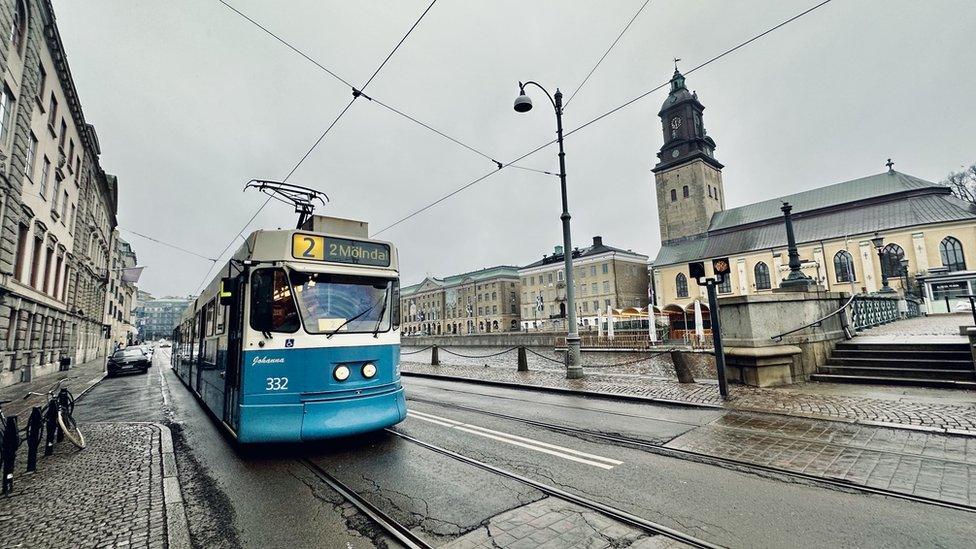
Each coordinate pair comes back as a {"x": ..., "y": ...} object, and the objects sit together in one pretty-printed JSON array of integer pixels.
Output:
[
  {"x": 272, "y": 308},
  {"x": 347, "y": 303}
]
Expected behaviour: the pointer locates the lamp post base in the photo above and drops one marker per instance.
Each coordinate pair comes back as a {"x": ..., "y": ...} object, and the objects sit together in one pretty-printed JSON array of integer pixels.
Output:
[
  {"x": 887, "y": 290},
  {"x": 573, "y": 368}
]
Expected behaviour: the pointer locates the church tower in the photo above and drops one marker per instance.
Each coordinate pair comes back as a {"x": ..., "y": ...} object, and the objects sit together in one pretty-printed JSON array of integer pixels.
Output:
[{"x": 688, "y": 179}]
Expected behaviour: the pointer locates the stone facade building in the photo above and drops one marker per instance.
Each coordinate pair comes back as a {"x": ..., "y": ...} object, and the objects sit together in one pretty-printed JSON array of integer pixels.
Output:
[
  {"x": 604, "y": 277},
  {"x": 156, "y": 318},
  {"x": 919, "y": 221},
  {"x": 52, "y": 306},
  {"x": 478, "y": 302},
  {"x": 121, "y": 295}
]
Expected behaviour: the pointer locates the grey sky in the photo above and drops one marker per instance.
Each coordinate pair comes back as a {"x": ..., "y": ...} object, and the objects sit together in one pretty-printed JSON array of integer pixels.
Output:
[{"x": 190, "y": 102}]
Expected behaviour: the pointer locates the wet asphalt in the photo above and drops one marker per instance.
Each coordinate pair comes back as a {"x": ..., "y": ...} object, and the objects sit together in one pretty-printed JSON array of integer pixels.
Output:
[{"x": 267, "y": 498}]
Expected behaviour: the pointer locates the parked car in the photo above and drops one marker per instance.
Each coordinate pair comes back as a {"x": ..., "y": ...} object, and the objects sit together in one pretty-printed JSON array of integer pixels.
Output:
[
  {"x": 130, "y": 359},
  {"x": 148, "y": 351},
  {"x": 165, "y": 345}
]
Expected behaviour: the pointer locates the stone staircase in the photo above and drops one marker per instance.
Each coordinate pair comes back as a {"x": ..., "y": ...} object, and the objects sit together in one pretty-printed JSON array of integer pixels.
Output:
[{"x": 945, "y": 365}]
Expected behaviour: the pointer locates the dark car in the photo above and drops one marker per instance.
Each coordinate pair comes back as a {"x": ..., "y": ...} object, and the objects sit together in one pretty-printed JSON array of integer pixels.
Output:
[{"x": 130, "y": 359}]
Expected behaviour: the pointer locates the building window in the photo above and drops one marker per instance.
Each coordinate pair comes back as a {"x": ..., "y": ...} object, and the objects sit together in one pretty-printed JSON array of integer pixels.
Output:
[
  {"x": 71, "y": 153},
  {"x": 891, "y": 256},
  {"x": 592, "y": 270},
  {"x": 56, "y": 194},
  {"x": 844, "y": 267},
  {"x": 18, "y": 27},
  {"x": 22, "y": 235},
  {"x": 606, "y": 286},
  {"x": 44, "y": 173},
  {"x": 64, "y": 207},
  {"x": 726, "y": 286},
  {"x": 64, "y": 132},
  {"x": 52, "y": 112},
  {"x": 709, "y": 191},
  {"x": 29, "y": 157},
  {"x": 605, "y": 267},
  {"x": 6, "y": 115},
  {"x": 41, "y": 82},
  {"x": 951, "y": 251},
  {"x": 761, "y": 271},
  {"x": 674, "y": 195},
  {"x": 681, "y": 285},
  {"x": 593, "y": 287},
  {"x": 684, "y": 191}
]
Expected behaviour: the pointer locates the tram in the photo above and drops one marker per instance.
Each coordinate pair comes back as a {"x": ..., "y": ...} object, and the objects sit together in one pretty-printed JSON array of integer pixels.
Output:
[{"x": 297, "y": 337}]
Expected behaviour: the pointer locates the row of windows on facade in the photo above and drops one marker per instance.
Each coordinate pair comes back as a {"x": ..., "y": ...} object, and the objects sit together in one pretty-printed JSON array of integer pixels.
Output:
[
  {"x": 456, "y": 328},
  {"x": 685, "y": 193},
  {"x": 433, "y": 314},
  {"x": 560, "y": 274},
  {"x": 582, "y": 307},
  {"x": 950, "y": 250},
  {"x": 481, "y": 297},
  {"x": 593, "y": 288}
]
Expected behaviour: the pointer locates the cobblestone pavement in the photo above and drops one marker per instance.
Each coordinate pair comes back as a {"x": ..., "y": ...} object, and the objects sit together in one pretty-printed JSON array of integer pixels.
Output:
[
  {"x": 109, "y": 494},
  {"x": 554, "y": 524},
  {"x": 950, "y": 418},
  {"x": 932, "y": 325},
  {"x": 79, "y": 379},
  {"x": 923, "y": 464}
]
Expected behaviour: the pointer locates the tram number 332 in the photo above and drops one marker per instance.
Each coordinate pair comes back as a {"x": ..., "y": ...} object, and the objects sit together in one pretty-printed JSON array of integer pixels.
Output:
[{"x": 276, "y": 383}]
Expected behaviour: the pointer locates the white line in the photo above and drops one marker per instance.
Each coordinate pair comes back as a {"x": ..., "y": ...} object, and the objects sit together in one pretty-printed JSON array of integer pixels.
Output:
[
  {"x": 466, "y": 429},
  {"x": 523, "y": 439}
]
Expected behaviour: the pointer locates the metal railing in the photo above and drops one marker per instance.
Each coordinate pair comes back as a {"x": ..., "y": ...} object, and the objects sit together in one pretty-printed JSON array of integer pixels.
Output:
[
  {"x": 870, "y": 310},
  {"x": 819, "y": 321}
]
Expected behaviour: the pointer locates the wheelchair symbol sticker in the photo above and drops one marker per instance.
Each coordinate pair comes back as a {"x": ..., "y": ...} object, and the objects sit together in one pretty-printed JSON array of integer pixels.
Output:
[{"x": 289, "y": 343}]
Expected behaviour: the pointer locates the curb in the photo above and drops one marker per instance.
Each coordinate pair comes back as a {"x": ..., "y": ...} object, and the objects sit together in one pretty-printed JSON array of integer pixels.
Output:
[
  {"x": 732, "y": 407},
  {"x": 177, "y": 530},
  {"x": 91, "y": 386}
]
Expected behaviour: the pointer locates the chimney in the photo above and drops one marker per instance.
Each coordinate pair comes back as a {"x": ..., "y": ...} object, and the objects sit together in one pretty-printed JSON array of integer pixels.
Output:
[
  {"x": 597, "y": 241},
  {"x": 559, "y": 250}
]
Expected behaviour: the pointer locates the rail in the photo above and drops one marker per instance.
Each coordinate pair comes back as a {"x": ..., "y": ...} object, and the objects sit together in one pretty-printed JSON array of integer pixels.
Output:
[{"x": 818, "y": 322}]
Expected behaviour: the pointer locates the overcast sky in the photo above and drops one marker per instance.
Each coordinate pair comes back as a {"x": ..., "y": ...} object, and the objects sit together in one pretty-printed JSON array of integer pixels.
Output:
[{"x": 190, "y": 102}]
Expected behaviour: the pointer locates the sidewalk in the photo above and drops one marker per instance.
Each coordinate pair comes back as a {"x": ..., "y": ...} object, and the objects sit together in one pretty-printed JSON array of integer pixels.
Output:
[
  {"x": 80, "y": 379},
  {"x": 954, "y": 413},
  {"x": 121, "y": 490}
]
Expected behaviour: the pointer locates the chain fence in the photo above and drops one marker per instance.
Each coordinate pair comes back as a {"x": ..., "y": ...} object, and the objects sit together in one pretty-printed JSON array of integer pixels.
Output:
[{"x": 448, "y": 351}]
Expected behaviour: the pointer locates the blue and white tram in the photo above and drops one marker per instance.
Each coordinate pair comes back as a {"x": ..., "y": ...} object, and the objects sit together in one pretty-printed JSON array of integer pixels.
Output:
[{"x": 297, "y": 338}]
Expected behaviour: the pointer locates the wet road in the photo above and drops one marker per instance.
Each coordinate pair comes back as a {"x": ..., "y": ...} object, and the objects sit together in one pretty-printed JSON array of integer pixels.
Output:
[{"x": 269, "y": 499}]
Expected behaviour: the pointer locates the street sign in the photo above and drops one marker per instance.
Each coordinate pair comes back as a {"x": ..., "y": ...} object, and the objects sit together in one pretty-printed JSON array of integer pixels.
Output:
[
  {"x": 721, "y": 268},
  {"x": 696, "y": 270}
]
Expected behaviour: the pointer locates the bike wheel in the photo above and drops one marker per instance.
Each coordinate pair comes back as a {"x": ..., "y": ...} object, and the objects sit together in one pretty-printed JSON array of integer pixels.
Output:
[{"x": 70, "y": 430}]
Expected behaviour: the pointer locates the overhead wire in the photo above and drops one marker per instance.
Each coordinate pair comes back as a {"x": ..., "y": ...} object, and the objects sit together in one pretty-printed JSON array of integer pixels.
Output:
[
  {"x": 601, "y": 117},
  {"x": 167, "y": 244},
  {"x": 606, "y": 53},
  {"x": 356, "y": 93}
]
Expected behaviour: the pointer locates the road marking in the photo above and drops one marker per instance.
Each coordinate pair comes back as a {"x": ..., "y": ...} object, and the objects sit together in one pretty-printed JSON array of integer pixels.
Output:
[{"x": 523, "y": 442}]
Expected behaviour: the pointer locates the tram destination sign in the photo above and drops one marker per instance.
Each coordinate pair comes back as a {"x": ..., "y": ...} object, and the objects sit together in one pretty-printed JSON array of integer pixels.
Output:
[{"x": 340, "y": 250}]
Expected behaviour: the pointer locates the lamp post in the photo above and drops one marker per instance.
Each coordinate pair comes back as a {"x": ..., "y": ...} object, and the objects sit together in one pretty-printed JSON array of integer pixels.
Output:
[
  {"x": 878, "y": 242},
  {"x": 904, "y": 274},
  {"x": 795, "y": 281},
  {"x": 524, "y": 104}
]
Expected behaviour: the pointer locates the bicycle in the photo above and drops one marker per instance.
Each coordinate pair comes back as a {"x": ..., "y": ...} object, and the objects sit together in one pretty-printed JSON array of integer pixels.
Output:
[{"x": 63, "y": 406}]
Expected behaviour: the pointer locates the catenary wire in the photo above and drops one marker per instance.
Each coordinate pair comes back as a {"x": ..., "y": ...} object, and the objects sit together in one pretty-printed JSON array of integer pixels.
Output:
[
  {"x": 356, "y": 94},
  {"x": 606, "y": 53},
  {"x": 598, "y": 118},
  {"x": 167, "y": 244}
]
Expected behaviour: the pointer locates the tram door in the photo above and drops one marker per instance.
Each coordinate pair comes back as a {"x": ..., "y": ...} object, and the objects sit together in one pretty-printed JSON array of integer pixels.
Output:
[
  {"x": 232, "y": 295},
  {"x": 202, "y": 327}
]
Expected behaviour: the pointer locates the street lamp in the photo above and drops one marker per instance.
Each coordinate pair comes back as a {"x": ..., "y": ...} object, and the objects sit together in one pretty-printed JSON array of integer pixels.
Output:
[
  {"x": 878, "y": 242},
  {"x": 904, "y": 273},
  {"x": 523, "y": 103}
]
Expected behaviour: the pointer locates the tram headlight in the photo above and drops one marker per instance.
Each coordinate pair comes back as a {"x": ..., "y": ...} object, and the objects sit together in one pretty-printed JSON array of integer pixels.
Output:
[
  {"x": 369, "y": 370},
  {"x": 341, "y": 373}
]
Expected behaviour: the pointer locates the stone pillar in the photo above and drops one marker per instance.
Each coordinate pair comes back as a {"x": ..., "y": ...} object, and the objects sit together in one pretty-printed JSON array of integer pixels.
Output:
[
  {"x": 866, "y": 250},
  {"x": 749, "y": 323},
  {"x": 921, "y": 255},
  {"x": 777, "y": 273},
  {"x": 743, "y": 279}
]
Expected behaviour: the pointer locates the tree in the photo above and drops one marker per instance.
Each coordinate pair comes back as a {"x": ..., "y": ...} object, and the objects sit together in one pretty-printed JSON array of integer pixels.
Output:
[{"x": 963, "y": 184}]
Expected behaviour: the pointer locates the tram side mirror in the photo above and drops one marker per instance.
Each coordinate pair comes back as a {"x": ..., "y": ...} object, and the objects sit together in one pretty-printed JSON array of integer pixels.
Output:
[{"x": 227, "y": 287}]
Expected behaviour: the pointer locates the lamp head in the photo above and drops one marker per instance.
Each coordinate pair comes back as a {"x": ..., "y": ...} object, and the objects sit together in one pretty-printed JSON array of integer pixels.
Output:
[
  {"x": 877, "y": 241},
  {"x": 523, "y": 103},
  {"x": 904, "y": 263}
]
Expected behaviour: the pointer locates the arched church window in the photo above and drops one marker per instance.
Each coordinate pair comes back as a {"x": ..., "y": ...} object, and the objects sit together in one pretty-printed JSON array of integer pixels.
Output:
[
  {"x": 674, "y": 195},
  {"x": 951, "y": 251},
  {"x": 844, "y": 266},
  {"x": 891, "y": 256},
  {"x": 681, "y": 285},
  {"x": 761, "y": 270},
  {"x": 684, "y": 191}
]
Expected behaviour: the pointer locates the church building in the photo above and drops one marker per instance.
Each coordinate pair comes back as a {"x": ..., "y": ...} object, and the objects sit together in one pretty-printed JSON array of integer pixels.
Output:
[{"x": 837, "y": 226}]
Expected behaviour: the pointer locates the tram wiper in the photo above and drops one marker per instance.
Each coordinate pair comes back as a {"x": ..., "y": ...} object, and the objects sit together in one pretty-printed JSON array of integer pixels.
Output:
[
  {"x": 357, "y": 317},
  {"x": 379, "y": 321}
]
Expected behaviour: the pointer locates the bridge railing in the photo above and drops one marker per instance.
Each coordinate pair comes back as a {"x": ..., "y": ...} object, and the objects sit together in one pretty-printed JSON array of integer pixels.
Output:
[{"x": 870, "y": 310}]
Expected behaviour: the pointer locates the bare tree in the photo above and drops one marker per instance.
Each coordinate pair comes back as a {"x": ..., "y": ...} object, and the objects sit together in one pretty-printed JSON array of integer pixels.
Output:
[{"x": 963, "y": 184}]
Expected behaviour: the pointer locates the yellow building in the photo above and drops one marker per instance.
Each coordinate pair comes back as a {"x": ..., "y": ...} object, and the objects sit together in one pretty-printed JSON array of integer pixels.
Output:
[{"x": 917, "y": 220}]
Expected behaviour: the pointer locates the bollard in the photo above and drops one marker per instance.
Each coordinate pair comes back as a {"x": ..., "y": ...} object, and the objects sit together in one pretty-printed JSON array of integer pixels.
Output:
[
  {"x": 34, "y": 424},
  {"x": 52, "y": 427},
  {"x": 523, "y": 362},
  {"x": 11, "y": 440},
  {"x": 434, "y": 358}
]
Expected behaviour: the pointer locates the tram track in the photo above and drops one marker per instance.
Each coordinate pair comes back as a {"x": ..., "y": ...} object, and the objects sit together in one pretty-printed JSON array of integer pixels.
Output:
[
  {"x": 391, "y": 527},
  {"x": 552, "y": 491},
  {"x": 698, "y": 457}
]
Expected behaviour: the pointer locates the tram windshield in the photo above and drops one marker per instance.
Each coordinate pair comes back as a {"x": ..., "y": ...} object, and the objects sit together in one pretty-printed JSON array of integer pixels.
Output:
[{"x": 333, "y": 303}]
